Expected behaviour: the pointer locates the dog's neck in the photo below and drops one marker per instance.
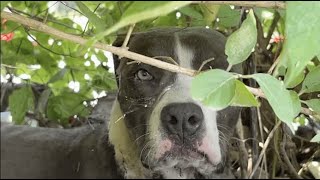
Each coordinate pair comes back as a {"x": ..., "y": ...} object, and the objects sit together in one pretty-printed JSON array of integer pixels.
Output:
[{"x": 126, "y": 153}]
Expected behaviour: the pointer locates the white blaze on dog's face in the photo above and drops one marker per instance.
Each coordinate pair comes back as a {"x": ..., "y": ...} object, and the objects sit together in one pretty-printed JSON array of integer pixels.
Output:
[
  {"x": 176, "y": 136},
  {"x": 203, "y": 145}
]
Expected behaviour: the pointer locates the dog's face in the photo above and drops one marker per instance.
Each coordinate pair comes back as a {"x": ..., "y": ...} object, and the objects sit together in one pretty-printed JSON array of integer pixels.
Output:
[{"x": 175, "y": 134}]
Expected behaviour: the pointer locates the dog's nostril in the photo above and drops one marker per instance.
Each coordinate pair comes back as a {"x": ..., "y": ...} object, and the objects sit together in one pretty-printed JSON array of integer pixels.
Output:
[
  {"x": 193, "y": 120},
  {"x": 173, "y": 120}
]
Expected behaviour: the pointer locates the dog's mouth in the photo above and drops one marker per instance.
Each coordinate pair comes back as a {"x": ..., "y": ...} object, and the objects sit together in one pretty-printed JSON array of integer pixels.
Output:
[{"x": 180, "y": 158}]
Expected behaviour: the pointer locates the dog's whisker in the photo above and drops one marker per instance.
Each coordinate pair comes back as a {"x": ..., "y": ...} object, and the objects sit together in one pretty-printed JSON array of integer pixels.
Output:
[
  {"x": 141, "y": 137},
  {"x": 224, "y": 127},
  {"x": 144, "y": 147},
  {"x": 147, "y": 125}
]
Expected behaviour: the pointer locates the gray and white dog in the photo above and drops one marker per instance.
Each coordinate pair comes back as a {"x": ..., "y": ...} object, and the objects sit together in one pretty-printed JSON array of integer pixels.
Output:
[{"x": 156, "y": 129}]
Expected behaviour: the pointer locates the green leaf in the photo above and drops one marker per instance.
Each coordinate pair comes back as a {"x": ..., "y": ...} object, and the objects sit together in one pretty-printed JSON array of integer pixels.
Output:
[
  {"x": 284, "y": 103},
  {"x": 316, "y": 138},
  {"x": 20, "y": 101},
  {"x": 243, "y": 97},
  {"x": 41, "y": 76},
  {"x": 314, "y": 104},
  {"x": 240, "y": 43},
  {"x": 59, "y": 75},
  {"x": 300, "y": 119},
  {"x": 190, "y": 11},
  {"x": 312, "y": 81},
  {"x": 168, "y": 20},
  {"x": 210, "y": 12},
  {"x": 104, "y": 82},
  {"x": 214, "y": 88},
  {"x": 139, "y": 11},
  {"x": 93, "y": 18},
  {"x": 302, "y": 30},
  {"x": 296, "y": 81},
  {"x": 228, "y": 17},
  {"x": 311, "y": 66},
  {"x": 66, "y": 105}
]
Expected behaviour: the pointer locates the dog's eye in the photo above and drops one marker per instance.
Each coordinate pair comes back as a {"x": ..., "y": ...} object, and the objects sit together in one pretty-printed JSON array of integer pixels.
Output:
[{"x": 144, "y": 75}]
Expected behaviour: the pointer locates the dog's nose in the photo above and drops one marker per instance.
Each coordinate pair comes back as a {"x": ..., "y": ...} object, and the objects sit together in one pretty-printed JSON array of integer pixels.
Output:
[{"x": 182, "y": 119}]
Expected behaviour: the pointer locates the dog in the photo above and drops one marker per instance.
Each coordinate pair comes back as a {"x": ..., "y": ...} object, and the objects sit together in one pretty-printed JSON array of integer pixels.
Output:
[{"x": 156, "y": 129}]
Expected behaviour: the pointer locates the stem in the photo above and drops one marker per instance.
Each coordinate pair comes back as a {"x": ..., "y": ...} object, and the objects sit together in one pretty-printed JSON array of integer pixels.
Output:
[
  {"x": 126, "y": 40},
  {"x": 229, "y": 67},
  {"x": 38, "y": 26},
  {"x": 286, "y": 159},
  {"x": 265, "y": 145},
  {"x": 266, "y": 4}
]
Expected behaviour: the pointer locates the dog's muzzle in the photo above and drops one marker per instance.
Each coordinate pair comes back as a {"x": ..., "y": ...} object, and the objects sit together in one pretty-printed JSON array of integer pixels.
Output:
[{"x": 182, "y": 121}]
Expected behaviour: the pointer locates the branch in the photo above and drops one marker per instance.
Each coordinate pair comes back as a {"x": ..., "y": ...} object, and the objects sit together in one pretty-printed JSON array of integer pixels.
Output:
[
  {"x": 258, "y": 92},
  {"x": 38, "y": 26},
  {"x": 126, "y": 40},
  {"x": 271, "y": 29},
  {"x": 286, "y": 159},
  {"x": 266, "y": 4},
  {"x": 265, "y": 145}
]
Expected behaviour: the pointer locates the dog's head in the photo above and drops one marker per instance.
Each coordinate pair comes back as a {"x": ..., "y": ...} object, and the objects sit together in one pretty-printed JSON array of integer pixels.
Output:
[{"x": 174, "y": 135}]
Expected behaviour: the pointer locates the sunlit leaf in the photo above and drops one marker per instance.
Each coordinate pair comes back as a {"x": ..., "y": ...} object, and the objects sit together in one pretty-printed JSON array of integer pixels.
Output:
[
  {"x": 210, "y": 12},
  {"x": 228, "y": 17},
  {"x": 316, "y": 138},
  {"x": 214, "y": 88},
  {"x": 240, "y": 43},
  {"x": 284, "y": 103},
  {"x": 314, "y": 104},
  {"x": 142, "y": 10},
  {"x": 20, "y": 101},
  {"x": 312, "y": 81},
  {"x": 243, "y": 97},
  {"x": 93, "y": 18},
  {"x": 190, "y": 11},
  {"x": 299, "y": 35}
]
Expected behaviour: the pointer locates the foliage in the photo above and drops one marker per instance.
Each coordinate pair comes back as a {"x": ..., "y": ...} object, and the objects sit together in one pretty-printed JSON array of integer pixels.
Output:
[
  {"x": 72, "y": 76},
  {"x": 59, "y": 63}
]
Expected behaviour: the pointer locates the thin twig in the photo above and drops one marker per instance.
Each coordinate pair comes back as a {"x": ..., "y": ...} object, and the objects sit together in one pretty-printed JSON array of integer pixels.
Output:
[
  {"x": 41, "y": 19},
  {"x": 262, "y": 139},
  {"x": 229, "y": 67},
  {"x": 266, "y": 4},
  {"x": 167, "y": 58},
  {"x": 64, "y": 3},
  {"x": 126, "y": 40},
  {"x": 274, "y": 65},
  {"x": 286, "y": 159},
  {"x": 46, "y": 47},
  {"x": 85, "y": 27},
  {"x": 264, "y": 148},
  {"x": 38, "y": 26},
  {"x": 243, "y": 159},
  {"x": 46, "y": 9},
  {"x": 271, "y": 29},
  {"x": 204, "y": 63}
]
